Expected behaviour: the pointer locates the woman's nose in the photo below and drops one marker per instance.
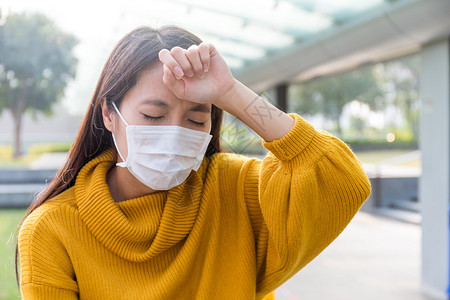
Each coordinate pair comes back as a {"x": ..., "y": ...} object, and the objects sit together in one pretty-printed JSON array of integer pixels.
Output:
[{"x": 175, "y": 121}]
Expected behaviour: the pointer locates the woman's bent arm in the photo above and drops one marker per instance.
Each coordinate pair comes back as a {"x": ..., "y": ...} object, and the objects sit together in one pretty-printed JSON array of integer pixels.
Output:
[{"x": 299, "y": 199}]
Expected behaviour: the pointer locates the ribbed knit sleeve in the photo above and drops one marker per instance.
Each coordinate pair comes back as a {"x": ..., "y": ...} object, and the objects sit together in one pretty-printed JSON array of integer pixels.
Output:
[
  {"x": 46, "y": 270},
  {"x": 299, "y": 199}
]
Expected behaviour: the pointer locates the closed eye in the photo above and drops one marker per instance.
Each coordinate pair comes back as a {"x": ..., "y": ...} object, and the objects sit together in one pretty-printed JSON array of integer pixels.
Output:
[
  {"x": 200, "y": 124},
  {"x": 152, "y": 118}
]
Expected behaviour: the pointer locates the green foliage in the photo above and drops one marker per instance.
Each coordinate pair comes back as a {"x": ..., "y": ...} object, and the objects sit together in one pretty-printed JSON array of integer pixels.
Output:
[
  {"x": 252, "y": 147},
  {"x": 237, "y": 137},
  {"x": 7, "y": 160},
  {"x": 36, "y": 64},
  {"x": 329, "y": 95},
  {"x": 390, "y": 89},
  {"x": 36, "y": 59},
  {"x": 37, "y": 150},
  {"x": 403, "y": 76},
  {"x": 363, "y": 144},
  {"x": 9, "y": 219},
  {"x": 6, "y": 152}
]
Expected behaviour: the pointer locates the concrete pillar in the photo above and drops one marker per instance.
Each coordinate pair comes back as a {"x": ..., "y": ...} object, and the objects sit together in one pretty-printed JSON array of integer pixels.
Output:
[
  {"x": 434, "y": 190},
  {"x": 282, "y": 96}
]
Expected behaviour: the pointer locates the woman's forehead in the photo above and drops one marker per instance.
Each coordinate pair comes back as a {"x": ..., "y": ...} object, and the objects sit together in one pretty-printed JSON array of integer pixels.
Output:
[
  {"x": 150, "y": 90},
  {"x": 151, "y": 76}
]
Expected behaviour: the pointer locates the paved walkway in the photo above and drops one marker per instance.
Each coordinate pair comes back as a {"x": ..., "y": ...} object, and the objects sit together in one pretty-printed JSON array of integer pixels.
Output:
[{"x": 375, "y": 258}]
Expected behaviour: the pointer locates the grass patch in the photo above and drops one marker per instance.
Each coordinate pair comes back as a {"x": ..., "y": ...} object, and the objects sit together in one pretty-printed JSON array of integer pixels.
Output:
[{"x": 9, "y": 219}]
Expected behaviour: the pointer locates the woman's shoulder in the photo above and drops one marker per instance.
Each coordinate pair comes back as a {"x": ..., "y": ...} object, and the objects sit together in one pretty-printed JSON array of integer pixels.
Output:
[{"x": 49, "y": 212}]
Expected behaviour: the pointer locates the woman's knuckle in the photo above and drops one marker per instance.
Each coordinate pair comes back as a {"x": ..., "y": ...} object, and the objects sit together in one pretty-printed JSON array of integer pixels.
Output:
[{"x": 176, "y": 50}]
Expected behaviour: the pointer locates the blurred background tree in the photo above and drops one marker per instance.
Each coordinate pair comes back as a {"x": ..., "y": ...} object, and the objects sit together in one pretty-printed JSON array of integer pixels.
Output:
[
  {"x": 365, "y": 105},
  {"x": 328, "y": 96},
  {"x": 36, "y": 64},
  {"x": 402, "y": 79}
]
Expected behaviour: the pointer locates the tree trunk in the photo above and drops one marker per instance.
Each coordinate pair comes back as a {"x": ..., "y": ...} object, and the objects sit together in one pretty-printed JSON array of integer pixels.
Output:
[
  {"x": 338, "y": 129},
  {"x": 17, "y": 136},
  {"x": 17, "y": 113},
  {"x": 337, "y": 117}
]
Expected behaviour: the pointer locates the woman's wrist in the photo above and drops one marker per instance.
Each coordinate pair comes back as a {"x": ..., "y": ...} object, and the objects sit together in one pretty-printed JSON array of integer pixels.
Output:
[
  {"x": 264, "y": 118},
  {"x": 225, "y": 100}
]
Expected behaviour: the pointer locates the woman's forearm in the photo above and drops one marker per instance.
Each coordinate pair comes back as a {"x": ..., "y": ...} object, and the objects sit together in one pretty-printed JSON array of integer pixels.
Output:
[{"x": 264, "y": 118}]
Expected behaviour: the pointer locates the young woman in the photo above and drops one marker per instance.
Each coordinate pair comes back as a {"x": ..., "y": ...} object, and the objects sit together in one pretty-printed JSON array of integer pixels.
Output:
[{"x": 147, "y": 207}]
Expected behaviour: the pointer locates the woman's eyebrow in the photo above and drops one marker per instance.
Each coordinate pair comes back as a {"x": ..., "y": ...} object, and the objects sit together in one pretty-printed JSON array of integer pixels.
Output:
[
  {"x": 200, "y": 108},
  {"x": 156, "y": 102},
  {"x": 161, "y": 103}
]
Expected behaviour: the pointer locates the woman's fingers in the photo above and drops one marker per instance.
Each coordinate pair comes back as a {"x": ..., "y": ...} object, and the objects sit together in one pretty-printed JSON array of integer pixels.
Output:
[
  {"x": 210, "y": 78},
  {"x": 177, "y": 61},
  {"x": 194, "y": 60},
  {"x": 179, "y": 54},
  {"x": 167, "y": 59},
  {"x": 205, "y": 55},
  {"x": 170, "y": 80}
]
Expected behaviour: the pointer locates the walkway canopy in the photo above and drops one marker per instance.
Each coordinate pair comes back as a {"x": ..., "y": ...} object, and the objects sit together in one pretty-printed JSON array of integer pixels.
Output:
[{"x": 268, "y": 42}]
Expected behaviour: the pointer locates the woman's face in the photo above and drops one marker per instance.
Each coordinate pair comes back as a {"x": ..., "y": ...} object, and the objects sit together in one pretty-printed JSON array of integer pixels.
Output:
[{"x": 151, "y": 102}]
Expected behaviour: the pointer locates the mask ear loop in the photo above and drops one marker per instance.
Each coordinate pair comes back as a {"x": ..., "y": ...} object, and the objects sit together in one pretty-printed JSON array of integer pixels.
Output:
[
  {"x": 123, "y": 163},
  {"x": 118, "y": 112}
]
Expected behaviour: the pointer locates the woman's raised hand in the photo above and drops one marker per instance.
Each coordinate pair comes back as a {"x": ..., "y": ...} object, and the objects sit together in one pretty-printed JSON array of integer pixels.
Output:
[{"x": 198, "y": 74}]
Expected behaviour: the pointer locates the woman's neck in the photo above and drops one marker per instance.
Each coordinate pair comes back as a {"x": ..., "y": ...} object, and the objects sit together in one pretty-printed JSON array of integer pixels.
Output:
[{"x": 123, "y": 185}]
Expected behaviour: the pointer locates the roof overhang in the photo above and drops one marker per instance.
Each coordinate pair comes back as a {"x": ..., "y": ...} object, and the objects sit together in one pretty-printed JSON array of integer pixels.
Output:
[{"x": 403, "y": 28}]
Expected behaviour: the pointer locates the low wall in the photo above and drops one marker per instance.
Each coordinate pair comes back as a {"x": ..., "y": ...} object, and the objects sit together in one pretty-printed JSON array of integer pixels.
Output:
[
  {"x": 387, "y": 190},
  {"x": 19, "y": 187}
]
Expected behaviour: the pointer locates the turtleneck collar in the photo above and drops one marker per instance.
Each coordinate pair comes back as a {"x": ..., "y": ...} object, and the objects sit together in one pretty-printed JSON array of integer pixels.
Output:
[{"x": 140, "y": 228}]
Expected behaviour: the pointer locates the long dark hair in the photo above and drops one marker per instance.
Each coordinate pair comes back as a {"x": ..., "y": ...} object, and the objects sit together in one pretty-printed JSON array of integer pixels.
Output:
[{"x": 134, "y": 52}]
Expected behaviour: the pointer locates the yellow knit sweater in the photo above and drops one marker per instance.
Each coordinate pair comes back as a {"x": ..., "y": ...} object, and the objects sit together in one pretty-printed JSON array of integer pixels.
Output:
[{"x": 237, "y": 228}]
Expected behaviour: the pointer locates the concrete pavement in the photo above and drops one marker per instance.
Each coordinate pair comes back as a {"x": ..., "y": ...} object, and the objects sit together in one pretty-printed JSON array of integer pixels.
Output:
[{"x": 375, "y": 258}]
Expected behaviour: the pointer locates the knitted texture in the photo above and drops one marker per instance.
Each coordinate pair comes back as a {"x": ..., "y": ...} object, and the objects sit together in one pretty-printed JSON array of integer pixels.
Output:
[{"x": 237, "y": 228}]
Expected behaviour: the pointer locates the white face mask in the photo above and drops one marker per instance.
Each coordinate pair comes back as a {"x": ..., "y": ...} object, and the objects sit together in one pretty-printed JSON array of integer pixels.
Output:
[{"x": 162, "y": 157}]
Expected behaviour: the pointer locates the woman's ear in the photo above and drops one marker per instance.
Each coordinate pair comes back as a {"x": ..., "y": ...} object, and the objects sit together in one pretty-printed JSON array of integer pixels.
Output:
[{"x": 108, "y": 118}]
